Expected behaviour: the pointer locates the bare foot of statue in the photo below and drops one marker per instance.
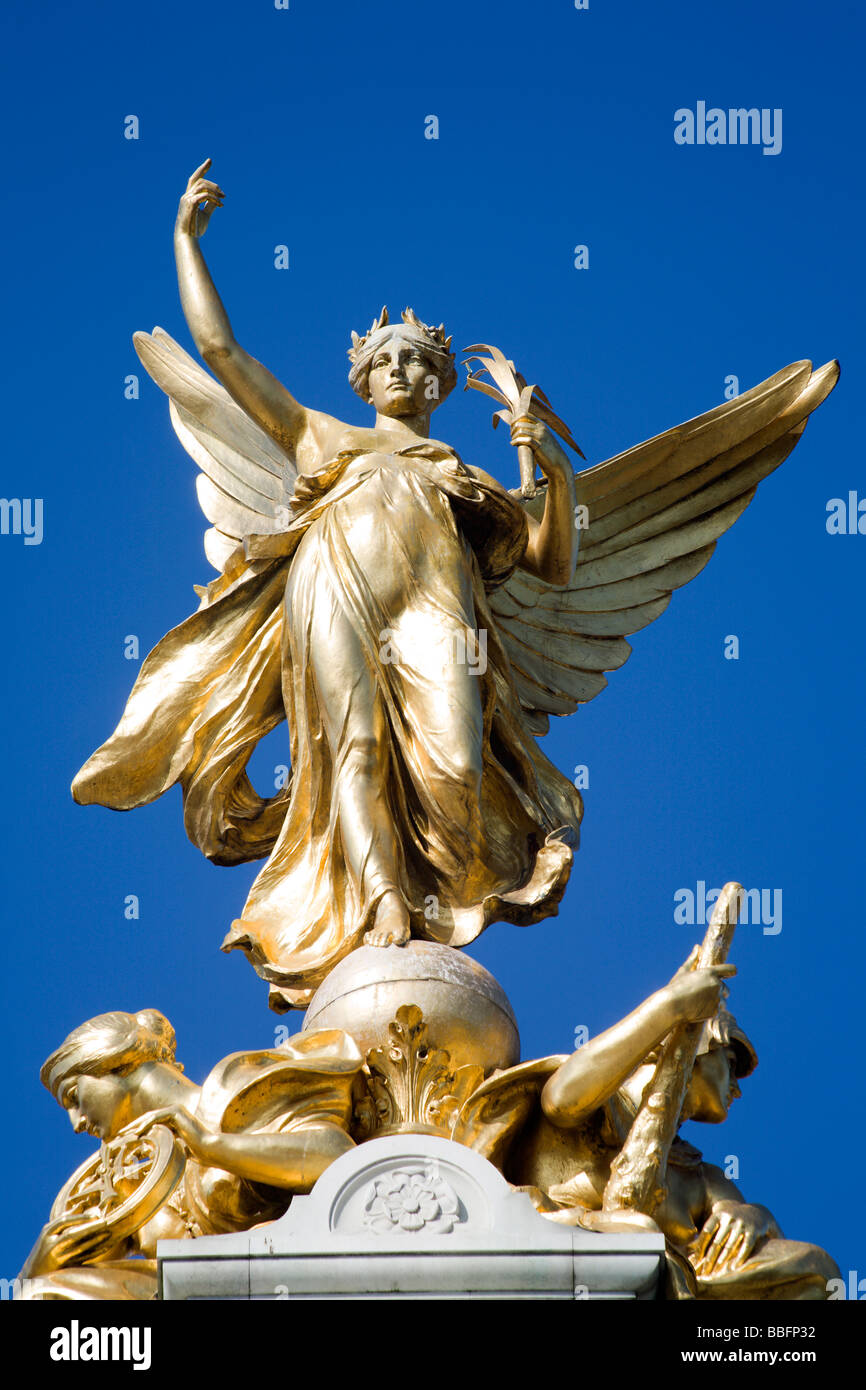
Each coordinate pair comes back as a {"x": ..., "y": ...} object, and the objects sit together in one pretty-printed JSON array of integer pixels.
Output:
[{"x": 391, "y": 927}]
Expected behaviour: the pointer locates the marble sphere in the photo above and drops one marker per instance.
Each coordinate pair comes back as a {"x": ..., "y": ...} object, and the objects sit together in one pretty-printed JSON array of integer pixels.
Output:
[{"x": 466, "y": 1010}]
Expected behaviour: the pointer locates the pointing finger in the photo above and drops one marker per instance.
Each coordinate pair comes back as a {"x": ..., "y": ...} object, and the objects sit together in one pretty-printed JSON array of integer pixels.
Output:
[{"x": 202, "y": 169}]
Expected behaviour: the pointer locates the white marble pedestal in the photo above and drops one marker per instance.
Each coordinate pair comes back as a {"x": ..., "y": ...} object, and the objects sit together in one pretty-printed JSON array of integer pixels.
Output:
[{"x": 412, "y": 1216}]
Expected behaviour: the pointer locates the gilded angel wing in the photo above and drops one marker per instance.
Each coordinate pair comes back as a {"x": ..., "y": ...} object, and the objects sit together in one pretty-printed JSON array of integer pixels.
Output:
[
  {"x": 654, "y": 516},
  {"x": 246, "y": 480}
]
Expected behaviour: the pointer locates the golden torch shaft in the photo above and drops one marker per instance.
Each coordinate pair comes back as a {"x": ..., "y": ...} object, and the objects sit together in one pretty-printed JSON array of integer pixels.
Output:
[{"x": 526, "y": 462}]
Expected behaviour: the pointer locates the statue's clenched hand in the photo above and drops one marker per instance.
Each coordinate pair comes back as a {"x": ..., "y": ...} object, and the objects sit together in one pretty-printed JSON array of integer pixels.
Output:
[
  {"x": 695, "y": 994},
  {"x": 198, "y": 202},
  {"x": 549, "y": 455}
]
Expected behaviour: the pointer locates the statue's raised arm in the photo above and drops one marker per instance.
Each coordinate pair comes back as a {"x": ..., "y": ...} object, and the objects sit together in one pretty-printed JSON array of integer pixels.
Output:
[{"x": 252, "y": 386}]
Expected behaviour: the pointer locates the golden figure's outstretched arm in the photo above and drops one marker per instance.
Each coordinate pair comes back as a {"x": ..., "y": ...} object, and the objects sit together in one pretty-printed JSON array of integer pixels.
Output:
[
  {"x": 595, "y": 1071},
  {"x": 254, "y": 388},
  {"x": 293, "y": 1160}
]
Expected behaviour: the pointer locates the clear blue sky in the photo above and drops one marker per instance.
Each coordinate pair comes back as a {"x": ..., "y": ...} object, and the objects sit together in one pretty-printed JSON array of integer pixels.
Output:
[{"x": 556, "y": 129}]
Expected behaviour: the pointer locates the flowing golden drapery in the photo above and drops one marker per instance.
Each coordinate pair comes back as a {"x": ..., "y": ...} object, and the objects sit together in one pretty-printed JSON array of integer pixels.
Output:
[{"x": 366, "y": 623}]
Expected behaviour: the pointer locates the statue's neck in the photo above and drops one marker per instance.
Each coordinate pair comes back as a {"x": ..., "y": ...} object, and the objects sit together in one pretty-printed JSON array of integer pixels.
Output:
[
  {"x": 161, "y": 1085},
  {"x": 417, "y": 425}
]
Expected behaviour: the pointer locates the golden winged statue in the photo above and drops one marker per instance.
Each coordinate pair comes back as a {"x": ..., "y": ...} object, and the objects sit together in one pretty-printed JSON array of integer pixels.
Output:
[{"x": 414, "y": 622}]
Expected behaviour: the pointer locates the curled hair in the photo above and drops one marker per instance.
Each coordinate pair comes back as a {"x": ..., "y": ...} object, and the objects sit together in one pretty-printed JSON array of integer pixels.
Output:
[{"x": 115, "y": 1042}]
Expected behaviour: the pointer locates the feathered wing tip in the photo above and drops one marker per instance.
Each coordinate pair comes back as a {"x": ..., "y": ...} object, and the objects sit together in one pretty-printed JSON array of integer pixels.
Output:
[
  {"x": 246, "y": 480},
  {"x": 650, "y": 520}
]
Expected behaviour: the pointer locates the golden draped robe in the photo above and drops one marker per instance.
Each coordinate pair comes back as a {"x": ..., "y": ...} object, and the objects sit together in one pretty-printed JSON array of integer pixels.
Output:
[{"x": 382, "y": 573}]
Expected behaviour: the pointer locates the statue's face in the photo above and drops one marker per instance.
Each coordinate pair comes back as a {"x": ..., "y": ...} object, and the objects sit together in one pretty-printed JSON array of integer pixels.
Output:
[
  {"x": 98, "y": 1105},
  {"x": 399, "y": 378},
  {"x": 713, "y": 1086}
]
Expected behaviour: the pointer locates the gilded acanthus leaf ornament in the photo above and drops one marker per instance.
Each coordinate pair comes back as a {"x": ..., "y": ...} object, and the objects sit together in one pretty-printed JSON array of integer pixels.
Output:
[{"x": 412, "y": 1083}]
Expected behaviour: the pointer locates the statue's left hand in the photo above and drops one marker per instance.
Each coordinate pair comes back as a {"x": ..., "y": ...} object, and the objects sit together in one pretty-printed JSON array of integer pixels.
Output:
[
  {"x": 549, "y": 455},
  {"x": 729, "y": 1236},
  {"x": 187, "y": 1128}
]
